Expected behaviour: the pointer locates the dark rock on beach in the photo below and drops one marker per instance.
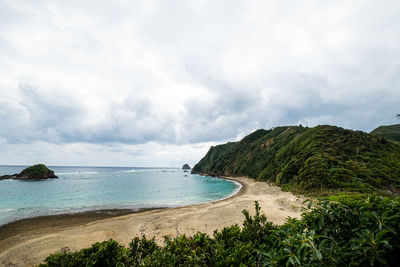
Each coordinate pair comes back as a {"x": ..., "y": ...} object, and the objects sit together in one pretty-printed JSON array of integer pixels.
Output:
[{"x": 35, "y": 172}]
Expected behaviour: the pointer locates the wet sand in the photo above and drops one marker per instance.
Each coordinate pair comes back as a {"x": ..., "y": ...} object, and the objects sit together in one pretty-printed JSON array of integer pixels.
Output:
[
  {"x": 43, "y": 224},
  {"x": 30, "y": 241}
]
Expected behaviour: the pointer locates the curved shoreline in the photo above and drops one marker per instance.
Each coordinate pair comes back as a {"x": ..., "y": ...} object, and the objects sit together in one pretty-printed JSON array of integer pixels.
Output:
[
  {"x": 32, "y": 246},
  {"x": 234, "y": 193},
  {"x": 65, "y": 219},
  {"x": 98, "y": 214}
]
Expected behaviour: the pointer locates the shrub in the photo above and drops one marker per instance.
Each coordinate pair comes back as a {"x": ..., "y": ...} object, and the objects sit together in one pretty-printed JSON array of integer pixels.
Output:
[
  {"x": 36, "y": 170},
  {"x": 352, "y": 232}
]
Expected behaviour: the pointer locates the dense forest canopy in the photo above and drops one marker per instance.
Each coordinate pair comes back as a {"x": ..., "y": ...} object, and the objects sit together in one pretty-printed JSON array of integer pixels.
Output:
[
  {"x": 322, "y": 158},
  {"x": 390, "y": 132}
]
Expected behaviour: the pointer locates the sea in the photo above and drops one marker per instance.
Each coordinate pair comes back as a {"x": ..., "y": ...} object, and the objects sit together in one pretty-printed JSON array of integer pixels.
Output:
[{"x": 80, "y": 189}]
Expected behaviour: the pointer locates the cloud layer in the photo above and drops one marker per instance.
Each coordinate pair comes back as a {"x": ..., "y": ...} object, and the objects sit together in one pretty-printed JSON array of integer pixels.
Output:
[{"x": 160, "y": 81}]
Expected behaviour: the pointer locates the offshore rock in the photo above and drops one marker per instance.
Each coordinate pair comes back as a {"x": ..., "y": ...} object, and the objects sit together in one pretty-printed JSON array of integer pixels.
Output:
[{"x": 35, "y": 172}]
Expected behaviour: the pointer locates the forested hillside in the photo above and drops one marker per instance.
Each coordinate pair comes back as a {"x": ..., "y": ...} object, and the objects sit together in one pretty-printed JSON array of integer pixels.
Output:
[
  {"x": 390, "y": 132},
  {"x": 323, "y": 158}
]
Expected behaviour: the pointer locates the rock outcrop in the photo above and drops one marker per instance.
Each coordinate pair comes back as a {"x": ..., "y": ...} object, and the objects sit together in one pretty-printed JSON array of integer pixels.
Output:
[
  {"x": 35, "y": 172},
  {"x": 186, "y": 167}
]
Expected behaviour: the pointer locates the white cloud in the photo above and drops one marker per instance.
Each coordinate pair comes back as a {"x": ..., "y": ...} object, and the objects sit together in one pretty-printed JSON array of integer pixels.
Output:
[
  {"x": 149, "y": 154},
  {"x": 111, "y": 78}
]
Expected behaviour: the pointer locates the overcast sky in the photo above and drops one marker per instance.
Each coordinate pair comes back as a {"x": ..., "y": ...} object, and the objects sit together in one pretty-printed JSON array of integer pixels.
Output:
[{"x": 156, "y": 83}]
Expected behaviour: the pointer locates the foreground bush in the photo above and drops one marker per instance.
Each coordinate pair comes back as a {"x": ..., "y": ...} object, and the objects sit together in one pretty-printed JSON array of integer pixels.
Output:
[{"x": 349, "y": 233}]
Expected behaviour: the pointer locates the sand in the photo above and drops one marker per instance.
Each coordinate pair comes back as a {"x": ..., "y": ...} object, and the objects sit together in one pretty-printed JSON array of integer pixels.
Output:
[{"x": 30, "y": 241}]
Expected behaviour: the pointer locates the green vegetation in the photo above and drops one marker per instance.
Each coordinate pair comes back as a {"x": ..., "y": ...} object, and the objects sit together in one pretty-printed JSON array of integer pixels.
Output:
[
  {"x": 348, "y": 228},
  {"x": 319, "y": 161},
  {"x": 390, "y": 132},
  {"x": 38, "y": 171},
  {"x": 347, "y": 233}
]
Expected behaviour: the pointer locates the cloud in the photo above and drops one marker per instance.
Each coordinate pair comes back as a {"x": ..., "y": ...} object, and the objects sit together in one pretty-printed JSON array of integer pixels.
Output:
[
  {"x": 137, "y": 75},
  {"x": 150, "y": 154},
  {"x": 39, "y": 115}
]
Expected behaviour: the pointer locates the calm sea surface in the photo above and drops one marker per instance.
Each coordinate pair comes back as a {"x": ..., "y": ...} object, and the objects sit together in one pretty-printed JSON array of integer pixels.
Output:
[{"x": 94, "y": 188}]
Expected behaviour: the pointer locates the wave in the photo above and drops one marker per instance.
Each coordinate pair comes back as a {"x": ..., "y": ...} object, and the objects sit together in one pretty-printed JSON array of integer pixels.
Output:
[
  {"x": 237, "y": 189},
  {"x": 143, "y": 170},
  {"x": 75, "y": 173},
  {"x": 6, "y": 210},
  {"x": 64, "y": 201},
  {"x": 116, "y": 171}
]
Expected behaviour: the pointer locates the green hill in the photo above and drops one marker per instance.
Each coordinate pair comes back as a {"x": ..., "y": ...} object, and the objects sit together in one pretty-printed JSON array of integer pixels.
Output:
[
  {"x": 322, "y": 159},
  {"x": 390, "y": 132}
]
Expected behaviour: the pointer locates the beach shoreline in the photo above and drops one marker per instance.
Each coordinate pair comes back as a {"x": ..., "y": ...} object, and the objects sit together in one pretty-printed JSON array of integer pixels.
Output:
[
  {"x": 63, "y": 220},
  {"x": 30, "y": 241},
  {"x": 82, "y": 217}
]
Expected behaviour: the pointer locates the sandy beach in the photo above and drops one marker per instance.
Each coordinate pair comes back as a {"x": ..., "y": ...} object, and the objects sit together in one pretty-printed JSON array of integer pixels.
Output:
[{"x": 30, "y": 241}]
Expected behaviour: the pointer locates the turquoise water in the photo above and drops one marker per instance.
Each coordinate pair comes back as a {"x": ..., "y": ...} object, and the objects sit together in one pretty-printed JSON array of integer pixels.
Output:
[{"x": 94, "y": 188}]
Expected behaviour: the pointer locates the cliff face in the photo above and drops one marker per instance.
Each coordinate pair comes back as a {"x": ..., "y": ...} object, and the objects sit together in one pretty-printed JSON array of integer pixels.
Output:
[{"x": 309, "y": 159}]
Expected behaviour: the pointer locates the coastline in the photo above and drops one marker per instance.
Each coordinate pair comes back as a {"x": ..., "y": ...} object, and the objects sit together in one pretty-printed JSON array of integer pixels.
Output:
[
  {"x": 39, "y": 223},
  {"x": 30, "y": 241},
  {"x": 82, "y": 217}
]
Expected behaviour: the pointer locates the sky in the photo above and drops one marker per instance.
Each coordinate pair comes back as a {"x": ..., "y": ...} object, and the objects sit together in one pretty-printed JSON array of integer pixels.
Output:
[{"x": 156, "y": 83}]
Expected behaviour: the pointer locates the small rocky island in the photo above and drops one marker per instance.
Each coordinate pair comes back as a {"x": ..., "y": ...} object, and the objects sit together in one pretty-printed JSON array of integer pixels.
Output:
[
  {"x": 186, "y": 167},
  {"x": 35, "y": 172}
]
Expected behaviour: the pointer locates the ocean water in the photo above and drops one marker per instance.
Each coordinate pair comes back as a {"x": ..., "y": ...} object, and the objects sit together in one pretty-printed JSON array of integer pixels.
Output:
[{"x": 94, "y": 188}]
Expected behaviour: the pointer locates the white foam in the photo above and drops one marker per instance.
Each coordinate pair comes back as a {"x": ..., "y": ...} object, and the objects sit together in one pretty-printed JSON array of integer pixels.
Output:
[
  {"x": 140, "y": 170},
  {"x": 237, "y": 189},
  {"x": 75, "y": 173},
  {"x": 6, "y": 210}
]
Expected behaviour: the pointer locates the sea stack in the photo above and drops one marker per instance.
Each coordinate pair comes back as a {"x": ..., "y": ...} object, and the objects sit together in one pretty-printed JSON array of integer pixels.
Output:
[
  {"x": 35, "y": 172},
  {"x": 186, "y": 167}
]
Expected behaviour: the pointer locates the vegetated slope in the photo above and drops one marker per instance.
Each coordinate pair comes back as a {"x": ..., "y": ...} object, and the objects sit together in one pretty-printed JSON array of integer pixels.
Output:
[
  {"x": 309, "y": 159},
  {"x": 34, "y": 172},
  {"x": 390, "y": 132},
  {"x": 352, "y": 233}
]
